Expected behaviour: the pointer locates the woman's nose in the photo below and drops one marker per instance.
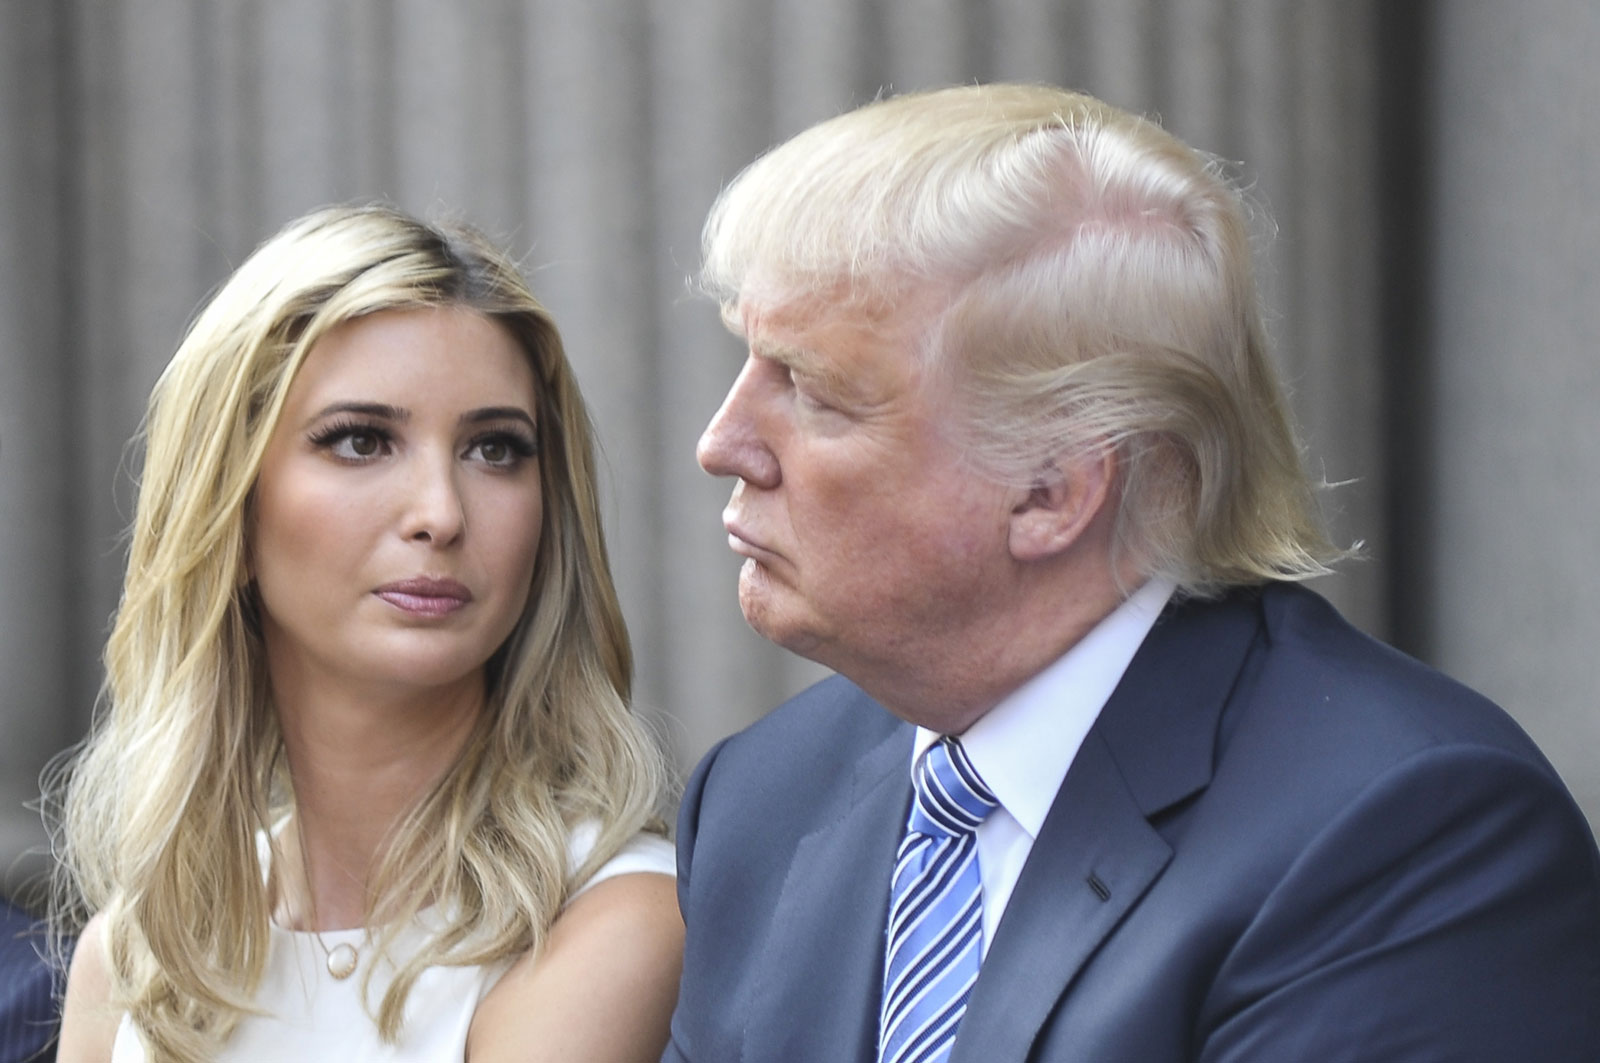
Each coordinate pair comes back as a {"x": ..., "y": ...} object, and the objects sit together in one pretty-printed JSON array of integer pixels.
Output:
[{"x": 435, "y": 512}]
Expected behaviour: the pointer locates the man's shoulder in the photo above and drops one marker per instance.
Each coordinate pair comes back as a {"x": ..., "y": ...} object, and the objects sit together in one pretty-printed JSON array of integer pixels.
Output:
[
  {"x": 1271, "y": 679},
  {"x": 832, "y": 721},
  {"x": 1315, "y": 650},
  {"x": 1301, "y": 642},
  {"x": 808, "y": 753},
  {"x": 758, "y": 791}
]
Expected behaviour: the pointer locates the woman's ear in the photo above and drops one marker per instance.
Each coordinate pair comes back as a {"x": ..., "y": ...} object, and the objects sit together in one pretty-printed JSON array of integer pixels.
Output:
[{"x": 1066, "y": 498}]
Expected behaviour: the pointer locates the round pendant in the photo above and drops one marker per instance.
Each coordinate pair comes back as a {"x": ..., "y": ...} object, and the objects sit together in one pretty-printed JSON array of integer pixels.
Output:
[{"x": 342, "y": 961}]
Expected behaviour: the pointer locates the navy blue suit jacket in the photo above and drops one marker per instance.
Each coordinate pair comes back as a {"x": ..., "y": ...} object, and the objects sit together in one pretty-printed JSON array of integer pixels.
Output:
[
  {"x": 28, "y": 1013},
  {"x": 1282, "y": 841}
]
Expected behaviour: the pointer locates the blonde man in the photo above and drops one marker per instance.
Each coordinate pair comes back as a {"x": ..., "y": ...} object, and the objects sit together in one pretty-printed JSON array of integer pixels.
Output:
[{"x": 1098, "y": 780}]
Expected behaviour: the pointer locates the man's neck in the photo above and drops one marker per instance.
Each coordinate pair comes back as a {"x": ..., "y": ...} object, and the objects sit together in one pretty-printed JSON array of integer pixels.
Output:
[{"x": 952, "y": 690}]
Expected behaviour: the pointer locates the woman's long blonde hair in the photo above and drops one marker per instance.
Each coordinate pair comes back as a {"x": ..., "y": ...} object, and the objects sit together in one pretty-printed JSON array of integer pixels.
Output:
[{"x": 160, "y": 812}]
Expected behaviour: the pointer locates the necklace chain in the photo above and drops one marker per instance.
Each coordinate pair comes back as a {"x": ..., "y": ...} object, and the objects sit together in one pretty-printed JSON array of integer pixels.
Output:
[{"x": 341, "y": 960}]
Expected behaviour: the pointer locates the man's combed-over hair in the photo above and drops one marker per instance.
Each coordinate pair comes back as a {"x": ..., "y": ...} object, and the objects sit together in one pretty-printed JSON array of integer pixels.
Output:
[
  {"x": 1095, "y": 292},
  {"x": 185, "y": 769}
]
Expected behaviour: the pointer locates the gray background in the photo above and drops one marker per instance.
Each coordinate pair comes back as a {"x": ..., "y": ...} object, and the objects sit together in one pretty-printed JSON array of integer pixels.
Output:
[{"x": 1433, "y": 169}]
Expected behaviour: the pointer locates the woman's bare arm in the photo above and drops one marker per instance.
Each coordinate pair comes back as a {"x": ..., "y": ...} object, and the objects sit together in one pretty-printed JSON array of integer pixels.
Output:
[
  {"x": 88, "y": 1022},
  {"x": 601, "y": 990}
]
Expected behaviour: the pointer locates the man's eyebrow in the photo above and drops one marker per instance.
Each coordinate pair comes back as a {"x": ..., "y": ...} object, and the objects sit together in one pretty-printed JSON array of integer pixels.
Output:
[
  {"x": 785, "y": 355},
  {"x": 498, "y": 413},
  {"x": 806, "y": 363},
  {"x": 798, "y": 359}
]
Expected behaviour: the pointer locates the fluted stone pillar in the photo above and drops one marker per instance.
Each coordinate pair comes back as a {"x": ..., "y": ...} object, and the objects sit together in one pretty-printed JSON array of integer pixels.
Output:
[{"x": 149, "y": 144}]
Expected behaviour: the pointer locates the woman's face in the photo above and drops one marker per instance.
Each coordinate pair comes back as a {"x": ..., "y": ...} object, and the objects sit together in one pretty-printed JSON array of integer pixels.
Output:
[{"x": 397, "y": 513}]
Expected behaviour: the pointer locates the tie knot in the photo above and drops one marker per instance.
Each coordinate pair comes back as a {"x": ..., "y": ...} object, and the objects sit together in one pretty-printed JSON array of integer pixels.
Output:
[{"x": 950, "y": 798}]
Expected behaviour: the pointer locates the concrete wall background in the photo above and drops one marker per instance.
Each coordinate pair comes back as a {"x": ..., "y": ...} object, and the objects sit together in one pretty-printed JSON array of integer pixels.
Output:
[{"x": 1511, "y": 587}]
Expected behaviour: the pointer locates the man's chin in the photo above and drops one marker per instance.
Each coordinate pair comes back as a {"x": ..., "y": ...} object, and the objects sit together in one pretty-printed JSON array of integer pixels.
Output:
[{"x": 771, "y": 612}]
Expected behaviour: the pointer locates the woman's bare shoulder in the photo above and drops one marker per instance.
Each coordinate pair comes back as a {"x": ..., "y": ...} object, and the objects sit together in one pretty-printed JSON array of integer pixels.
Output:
[
  {"x": 88, "y": 1021},
  {"x": 602, "y": 988}
]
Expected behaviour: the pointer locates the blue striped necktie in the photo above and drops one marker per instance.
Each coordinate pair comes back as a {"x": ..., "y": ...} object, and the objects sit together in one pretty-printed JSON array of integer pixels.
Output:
[{"x": 935, "y": 935}]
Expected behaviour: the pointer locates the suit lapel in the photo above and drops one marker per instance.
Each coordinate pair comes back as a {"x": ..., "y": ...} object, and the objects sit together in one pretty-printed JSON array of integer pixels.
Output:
[
  {"x": 1094, "y": 858},
  {"x": 818, "y": 997},
  {"x": 1097, "y": 852}
]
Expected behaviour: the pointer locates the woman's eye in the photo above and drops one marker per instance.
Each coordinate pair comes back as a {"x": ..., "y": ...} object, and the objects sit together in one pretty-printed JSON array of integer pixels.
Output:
[
  {"x": 352, "y": 443},
  {"x": 501, "y": 451},
  {"x": 362, "y": 444}
]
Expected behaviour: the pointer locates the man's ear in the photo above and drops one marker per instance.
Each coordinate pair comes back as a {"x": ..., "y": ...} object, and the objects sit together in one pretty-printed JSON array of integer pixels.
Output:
[{"x": 1064, "y": 501}]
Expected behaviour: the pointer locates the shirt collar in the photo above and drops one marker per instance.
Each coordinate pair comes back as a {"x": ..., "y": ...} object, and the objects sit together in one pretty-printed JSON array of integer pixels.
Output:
[{"x": 1024, "y": 745}]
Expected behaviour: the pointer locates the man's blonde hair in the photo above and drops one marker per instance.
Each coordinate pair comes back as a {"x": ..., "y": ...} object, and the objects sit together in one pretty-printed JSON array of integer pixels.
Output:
[{"x": 1095, "y": 293}]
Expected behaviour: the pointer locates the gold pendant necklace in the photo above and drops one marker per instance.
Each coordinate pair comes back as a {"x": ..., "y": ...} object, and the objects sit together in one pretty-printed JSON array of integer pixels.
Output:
[{"x": 342, "y": 958}]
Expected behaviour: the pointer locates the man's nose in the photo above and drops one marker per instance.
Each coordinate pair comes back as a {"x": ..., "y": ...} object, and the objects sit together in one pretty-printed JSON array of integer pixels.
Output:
[{"x": 733, "y": 444}]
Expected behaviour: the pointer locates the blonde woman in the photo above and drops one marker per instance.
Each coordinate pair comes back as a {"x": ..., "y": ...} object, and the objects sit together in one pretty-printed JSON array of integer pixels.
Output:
[{"x": 366, "y": 782}]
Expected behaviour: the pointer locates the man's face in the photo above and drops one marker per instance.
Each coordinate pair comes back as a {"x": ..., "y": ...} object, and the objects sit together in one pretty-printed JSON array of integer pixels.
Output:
[{"x": 869, "y": 543}]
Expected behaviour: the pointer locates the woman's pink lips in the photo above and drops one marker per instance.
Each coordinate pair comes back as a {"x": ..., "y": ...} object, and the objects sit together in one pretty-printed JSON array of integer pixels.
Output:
[{"x": 422, "y": 596}]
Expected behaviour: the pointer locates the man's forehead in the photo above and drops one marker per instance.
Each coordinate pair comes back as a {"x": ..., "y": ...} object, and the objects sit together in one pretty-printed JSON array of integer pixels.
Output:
[
  {"x": 808, "y": 336},
  {"x": 808, "y": 349},
  {"x": 791, "y": 320},
  {"x": 775, "y": 327},
  {"x": 755, "y": 318}
]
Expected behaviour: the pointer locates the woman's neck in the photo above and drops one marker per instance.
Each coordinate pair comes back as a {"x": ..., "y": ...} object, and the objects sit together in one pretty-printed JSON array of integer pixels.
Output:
[{"x": 359, "y": 762}]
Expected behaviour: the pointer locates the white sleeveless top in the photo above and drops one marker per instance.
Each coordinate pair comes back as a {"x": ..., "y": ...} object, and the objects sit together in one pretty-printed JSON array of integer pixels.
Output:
[{"x": 308, "y": 1015}]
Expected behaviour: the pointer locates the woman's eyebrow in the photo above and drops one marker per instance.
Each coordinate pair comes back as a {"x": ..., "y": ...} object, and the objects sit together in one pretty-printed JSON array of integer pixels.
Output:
[
  {"x": 380, "y": 410},
  {"x": 387, "y": 412},
  {"x": 498, "y": 413}
]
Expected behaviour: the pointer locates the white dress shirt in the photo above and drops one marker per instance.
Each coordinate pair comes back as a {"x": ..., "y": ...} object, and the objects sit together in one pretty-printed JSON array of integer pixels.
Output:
[{"x": 1024, "y": 745}]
